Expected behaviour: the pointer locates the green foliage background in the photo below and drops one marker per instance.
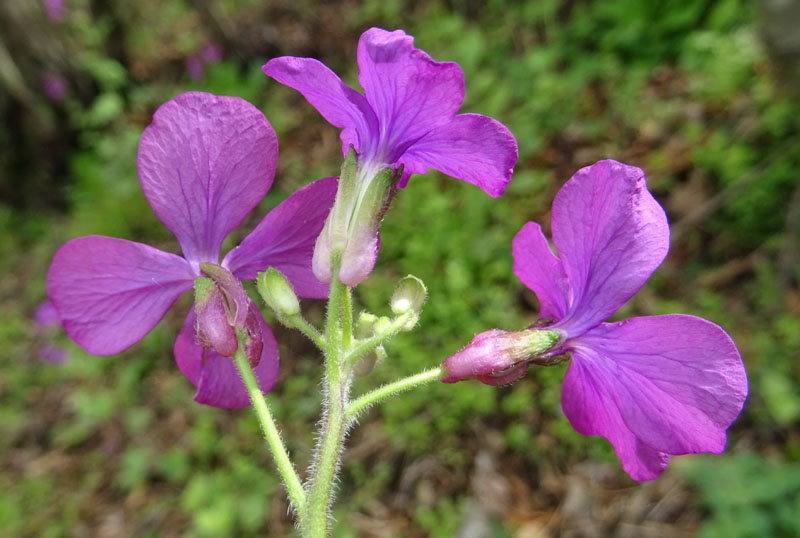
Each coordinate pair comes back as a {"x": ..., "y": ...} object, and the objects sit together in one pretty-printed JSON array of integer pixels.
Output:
[{"x": 683, "y": 89}]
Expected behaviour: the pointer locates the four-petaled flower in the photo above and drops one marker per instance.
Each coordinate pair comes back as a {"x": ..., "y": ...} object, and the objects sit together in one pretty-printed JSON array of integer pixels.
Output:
[
  {"x": 204, "y": 163},
  {"x": 653, "y": 386},
  {"x": 408, "y": 115}
]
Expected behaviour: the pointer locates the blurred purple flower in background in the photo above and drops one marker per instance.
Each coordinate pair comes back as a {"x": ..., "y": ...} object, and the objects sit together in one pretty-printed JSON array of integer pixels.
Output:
[
  {"x": 54, "y": 86},
  {"x": 54, "y": 9},
  {"x": 195, "y": 67},
  {"x": 407, "y": 116},
  {"x": 653, "y": 386},
  {"x": 211, "y": 53},
  {"x": 197, "y": 62},
  {"x": 46, "y": 315},
  {"x": 204, "y": 163},
  {"x": 46, "y": 322}
]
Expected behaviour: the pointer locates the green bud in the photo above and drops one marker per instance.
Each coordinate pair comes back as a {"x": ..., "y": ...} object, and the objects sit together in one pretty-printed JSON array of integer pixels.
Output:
[
  {"x": 364, "y": 325},
  {"x": 278, "y": 293},
  {"x": 382, "y": 325},
  {"x": 203, "y": 287},
  {"x": 409, "y": 295}
]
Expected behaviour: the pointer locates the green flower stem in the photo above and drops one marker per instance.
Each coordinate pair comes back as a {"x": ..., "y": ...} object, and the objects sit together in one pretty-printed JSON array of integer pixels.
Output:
[
  {"x": 367, "y": 345},
  {"x": 347, "y": 318},
  {"x": 300, "y": 323},
  {"x": 360, "y": 404},
  {"x": 314, "y": 519},
  {"x": 293, "y": 485}
]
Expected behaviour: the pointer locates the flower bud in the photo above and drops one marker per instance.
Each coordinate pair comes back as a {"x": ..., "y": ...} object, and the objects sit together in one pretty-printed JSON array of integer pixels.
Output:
[
  {"x": 278, "y": 293},
  {"x": 370, "y": 360},
  {"x": 213, "y": 326},
  {"x": 499, "y": 357},
  {"x": 254, "y": 341},
  {"x": 382, "y": 325},
  {"x": 351, "y": 229},
  {"x": 236, "y": 300},
  {"x": 222, "y": 308},
  {"x": 364, "y": 325},
  {"x": 409, "y": 295}
]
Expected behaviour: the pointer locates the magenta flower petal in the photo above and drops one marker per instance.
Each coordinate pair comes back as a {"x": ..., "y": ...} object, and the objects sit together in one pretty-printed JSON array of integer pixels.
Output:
[
  {"x": 592, "y": 410},
  {"x": 611, "y": 235},
  {"x": 408, "y": 113},
  {"x": 338, "y": 103},
  {"x": 110, "y": 292},
  {"x": 676, "y": 382},
  {"x": 539, "y": 269},
  {"x": 285, "y": 239},
  {"x": 216, "y": 377},
  {"x": 474, "y": 148},
  {"x": 411, "y": 93},
  {"x": 204, "y": 162}
]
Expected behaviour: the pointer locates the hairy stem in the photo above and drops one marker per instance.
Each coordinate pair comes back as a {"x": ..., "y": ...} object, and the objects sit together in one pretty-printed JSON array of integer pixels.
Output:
[
  {"x": 311, "y": 332},
  {"x": 365, "y": 346},
  {"x": 290, "y": 479},
  {"x": 374, "y": 396},
  {"x": 315, "y": 517}
]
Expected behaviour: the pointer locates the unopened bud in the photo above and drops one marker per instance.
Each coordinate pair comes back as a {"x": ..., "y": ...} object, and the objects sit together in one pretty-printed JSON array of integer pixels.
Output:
[
  {"x": 213, "y": 325},
  {"x": 222, "y": 308},
  {"x": 382, "y": 325},
  {"x": 499, "y": 357},
  {"x": 254, "y": 341},
  {"x": 368, "y": 363},
  {"x": 351, "y": 229},
  {"x": 409, "y": 295},
  {"x": 236, "y": 300},
  {"x": 363, "y": 244},
  {"x": 364, "y": 325},
  {"x": 278, "y": 293}
]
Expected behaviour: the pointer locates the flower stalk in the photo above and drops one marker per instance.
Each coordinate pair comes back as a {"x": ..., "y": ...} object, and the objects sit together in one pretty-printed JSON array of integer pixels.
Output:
[{"x": 294, "y": 487}]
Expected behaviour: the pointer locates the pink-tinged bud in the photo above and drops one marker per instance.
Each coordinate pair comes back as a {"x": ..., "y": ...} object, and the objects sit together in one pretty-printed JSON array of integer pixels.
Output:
[
  {"x": 223, "y": 308},
  {"x": 237, "y": 301},
  {"x": 214, "y": 328},
  {"x": 351, "y": 230},
  {"x": 499, "y": 357},
  {"x": 254, "y": 344}
]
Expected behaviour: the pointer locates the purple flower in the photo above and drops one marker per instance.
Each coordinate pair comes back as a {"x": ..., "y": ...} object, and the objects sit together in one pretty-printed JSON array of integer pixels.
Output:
[
  {"x": 54, "y": 9},
  {"x": 204, "y": 163},
  {"x": 46, "y": 323},
  {"x": 195, "y": 67},
  {"x": 197, "y": 62},
  {"x": 653, "y": 386},
  {"x": 45, "y": 316},
  {"x": 211, "y": 53},
  {"x": 407, "y": 116},
  {"x": 53, "y": 354},
  {"x": 54, "y": 86}
]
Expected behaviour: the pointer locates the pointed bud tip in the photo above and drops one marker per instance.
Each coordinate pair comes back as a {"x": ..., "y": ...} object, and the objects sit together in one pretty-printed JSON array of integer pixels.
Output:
[
  {"x": 498, "y": 357},
  {"x": 278, "y": 293},
  {"x": 409, "y": 295}
]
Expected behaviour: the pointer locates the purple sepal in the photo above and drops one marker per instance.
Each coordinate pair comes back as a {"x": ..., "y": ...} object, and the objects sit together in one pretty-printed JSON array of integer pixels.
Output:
[
  {"x": 216, "y": 378},
  {"x": 215, "y": 328}
]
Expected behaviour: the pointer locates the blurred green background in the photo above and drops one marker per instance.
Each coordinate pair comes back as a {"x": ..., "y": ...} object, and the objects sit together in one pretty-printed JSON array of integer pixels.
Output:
[{"x": 688, "y": 90}]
